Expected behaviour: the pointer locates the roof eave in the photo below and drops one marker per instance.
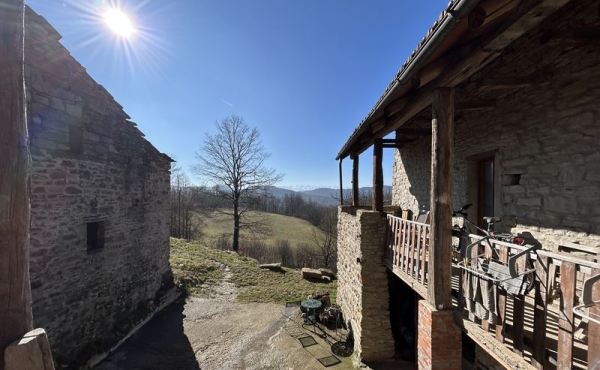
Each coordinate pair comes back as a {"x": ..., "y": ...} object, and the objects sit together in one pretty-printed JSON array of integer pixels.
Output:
[{"x": 453, "y": 14}]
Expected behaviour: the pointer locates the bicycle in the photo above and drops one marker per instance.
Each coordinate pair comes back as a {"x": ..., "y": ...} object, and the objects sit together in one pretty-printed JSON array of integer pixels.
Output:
[
  {"x": 488, "y": 233},
  {"x": 462, "y": 253}
]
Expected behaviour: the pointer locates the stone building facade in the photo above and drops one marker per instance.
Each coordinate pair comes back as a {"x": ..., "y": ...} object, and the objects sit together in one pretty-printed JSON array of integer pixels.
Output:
[
  {"x": 525, "y": 143},
  {"x": 543, "y": 139},
  {"x": 99, "y": 207}
]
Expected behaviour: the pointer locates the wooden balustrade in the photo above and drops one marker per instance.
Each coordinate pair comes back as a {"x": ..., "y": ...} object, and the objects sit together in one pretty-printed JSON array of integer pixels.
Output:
[
  {"x": 537, "y": 326},
  {"x": 407, "y": 247},
  {"x": 556, "y": 281}
]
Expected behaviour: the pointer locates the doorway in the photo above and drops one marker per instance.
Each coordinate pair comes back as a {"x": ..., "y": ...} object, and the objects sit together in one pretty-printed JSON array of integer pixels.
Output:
[{"x": 481, "y": 187}]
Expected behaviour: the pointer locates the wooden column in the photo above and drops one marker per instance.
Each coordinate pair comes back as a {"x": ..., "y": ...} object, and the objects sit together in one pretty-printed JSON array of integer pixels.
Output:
[
  {"x": 442, "y": 162},
  {"x": 15, "y": 291},
  {"x": 341, "y": 185},
  {"x": 594, "y": 328},
  {"x": 355, "y": 194},
  {"x": 378, "y": 175}
]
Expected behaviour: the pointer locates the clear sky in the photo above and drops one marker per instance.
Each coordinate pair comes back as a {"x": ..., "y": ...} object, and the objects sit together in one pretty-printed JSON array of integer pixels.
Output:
[{"x": 305, "y": 73}]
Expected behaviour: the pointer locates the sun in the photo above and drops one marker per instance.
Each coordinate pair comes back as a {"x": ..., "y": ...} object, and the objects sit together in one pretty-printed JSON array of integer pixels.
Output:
[{"x": 119, "y": 22}]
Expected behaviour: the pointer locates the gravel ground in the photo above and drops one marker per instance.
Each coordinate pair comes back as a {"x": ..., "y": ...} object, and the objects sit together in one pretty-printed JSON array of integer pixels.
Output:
[{"x": 214, "y": 331}]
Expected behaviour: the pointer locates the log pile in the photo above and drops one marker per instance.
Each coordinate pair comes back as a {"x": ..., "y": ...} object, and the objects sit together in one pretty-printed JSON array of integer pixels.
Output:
[{"x": 317, "y": 274}]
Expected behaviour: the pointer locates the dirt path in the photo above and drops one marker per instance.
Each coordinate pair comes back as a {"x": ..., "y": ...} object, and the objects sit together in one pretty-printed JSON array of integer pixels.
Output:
[{"x": 214, "y": 331}]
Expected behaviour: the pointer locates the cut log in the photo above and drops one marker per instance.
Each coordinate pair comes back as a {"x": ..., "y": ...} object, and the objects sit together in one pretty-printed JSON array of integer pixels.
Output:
[
  {"x": 308, "y": 273},
  {"x": 327, "y": 272},
  {"x": 272, "y": 267}
]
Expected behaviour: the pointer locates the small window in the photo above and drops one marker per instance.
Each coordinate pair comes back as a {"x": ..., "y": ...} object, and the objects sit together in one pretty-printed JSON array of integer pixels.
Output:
[{"x": 95, "y": 235}]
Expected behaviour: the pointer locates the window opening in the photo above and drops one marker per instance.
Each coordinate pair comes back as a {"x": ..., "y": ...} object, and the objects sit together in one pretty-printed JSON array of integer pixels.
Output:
[
  {"x": 485, "y": 193},
  {"x": 95, "y": 235}
]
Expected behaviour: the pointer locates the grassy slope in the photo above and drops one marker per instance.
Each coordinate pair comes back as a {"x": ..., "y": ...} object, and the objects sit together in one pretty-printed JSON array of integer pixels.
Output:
[
  {"x": 194, "y": 264},
  {"x": 292, "y": 229}
]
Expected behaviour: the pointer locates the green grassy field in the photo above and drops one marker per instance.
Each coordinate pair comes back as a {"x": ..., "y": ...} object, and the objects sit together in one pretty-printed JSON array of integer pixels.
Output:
[
  {"x": 194, "y": 264},
  {"x": 292, "y": 229}
]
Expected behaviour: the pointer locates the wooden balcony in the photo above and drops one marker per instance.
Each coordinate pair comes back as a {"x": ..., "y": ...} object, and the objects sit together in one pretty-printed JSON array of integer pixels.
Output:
[
  {"x": 537, "y": 329},
  {"x": 408, "y": 252}
]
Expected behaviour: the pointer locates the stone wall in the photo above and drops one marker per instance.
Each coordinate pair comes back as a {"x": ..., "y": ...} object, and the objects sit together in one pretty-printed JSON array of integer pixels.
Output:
[
  {"x": 99, "y": 203},
  {"x": 362, "y": 282},
  {"x": 544, "y": 138}
]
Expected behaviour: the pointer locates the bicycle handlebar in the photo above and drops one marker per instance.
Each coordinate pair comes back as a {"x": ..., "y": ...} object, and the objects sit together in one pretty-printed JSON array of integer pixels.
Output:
[{"x": 462, "y": 210}]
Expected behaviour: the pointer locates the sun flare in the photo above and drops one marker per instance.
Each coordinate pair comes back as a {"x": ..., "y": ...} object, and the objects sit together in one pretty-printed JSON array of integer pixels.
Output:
[{"x": 119, "y": 22}]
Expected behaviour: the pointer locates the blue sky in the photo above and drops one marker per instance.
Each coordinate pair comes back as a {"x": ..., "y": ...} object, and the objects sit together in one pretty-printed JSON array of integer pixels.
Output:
[{"x": 305, "y": 73}]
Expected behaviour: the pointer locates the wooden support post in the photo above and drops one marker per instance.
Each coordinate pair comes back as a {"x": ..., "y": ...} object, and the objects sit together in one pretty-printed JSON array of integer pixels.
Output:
[
  {"x": 501, "y": 323},
  {"x": 519, "y": 314},
  {"x": 442, "y": 163},
  {"x": 540, "y": 310},
  {"x": 31, "y": 352},
  {"x": 594, "y": 328},
  {"x": 341, "y": 185},
  {"x": 355, "y": 195},
  {"x": 15, "y": 291},
  {"x": 378, "y": 175},
  {"x": 566, "y": 327}
]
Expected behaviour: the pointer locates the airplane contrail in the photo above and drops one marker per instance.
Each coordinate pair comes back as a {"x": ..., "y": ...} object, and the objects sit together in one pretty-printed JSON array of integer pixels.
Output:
[{"x": 226, "y": 102}]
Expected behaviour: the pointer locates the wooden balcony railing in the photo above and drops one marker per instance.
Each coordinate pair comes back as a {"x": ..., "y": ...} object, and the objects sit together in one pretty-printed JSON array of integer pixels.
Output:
[
  {"x": 407, "y": 250},
  {"x": 538, "y": 327}
]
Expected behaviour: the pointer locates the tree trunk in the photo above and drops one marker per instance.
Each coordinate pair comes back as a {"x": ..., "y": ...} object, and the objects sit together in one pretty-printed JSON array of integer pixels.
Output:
[
  {"x": 236, "y": 224},
  {"x": 15, "y": 291}
]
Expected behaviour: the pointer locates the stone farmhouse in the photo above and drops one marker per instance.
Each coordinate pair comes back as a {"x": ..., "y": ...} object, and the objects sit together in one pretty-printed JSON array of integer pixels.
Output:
[
  {"x": 497, "y": 107},
  {"x": 99, "y": 202}
]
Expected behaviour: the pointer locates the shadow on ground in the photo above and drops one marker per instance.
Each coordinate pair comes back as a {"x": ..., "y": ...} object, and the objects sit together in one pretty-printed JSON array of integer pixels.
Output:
[{"x": 160, "y": 344}]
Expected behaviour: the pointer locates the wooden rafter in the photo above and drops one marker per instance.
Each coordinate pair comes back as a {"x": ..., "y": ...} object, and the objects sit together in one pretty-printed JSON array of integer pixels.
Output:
[
  {"x": 475, "y": 105},
  {"x": 511, "y": 83},
  {"x": 572, "y": 38},
  {"x": 397, "y": 144},
  {"x": 414, "y": 131}
]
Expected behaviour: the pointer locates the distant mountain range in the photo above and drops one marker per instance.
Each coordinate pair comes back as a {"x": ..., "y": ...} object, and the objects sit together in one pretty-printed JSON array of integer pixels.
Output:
[{"x": 324, "y": 196}]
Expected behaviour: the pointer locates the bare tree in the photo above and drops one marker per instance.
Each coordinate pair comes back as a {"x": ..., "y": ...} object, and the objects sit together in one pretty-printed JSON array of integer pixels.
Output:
[
  {"x": 285, "y": 253},
  {"x": 323, "y": 249},
  {"x": 326, "y": 241},
  {"x": 234, "y": 161},
  {"x": 183, "y": 198}
]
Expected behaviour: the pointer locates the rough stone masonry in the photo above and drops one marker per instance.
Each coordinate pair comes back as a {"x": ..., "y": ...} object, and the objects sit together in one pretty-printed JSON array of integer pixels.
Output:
[
  {"x": 99, "y": 203},
  {"x": 363, "y": 291}
]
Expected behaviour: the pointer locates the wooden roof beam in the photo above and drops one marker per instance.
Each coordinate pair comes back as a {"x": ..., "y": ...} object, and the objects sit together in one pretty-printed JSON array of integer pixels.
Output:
[
  {"x": 377, "y": 126},
  {"x": 466, "y": 60},
  {"x": 572, "y": 38},
  {"x": 475, "y": 105},
  {"x": 487, "y": 12},
  {"x": 490, "y": 11},
  {"x": 396, "y": 143},
  {"x": 510, "y": 83},
  {"x": 472, "y": 57},
  {"x": 414, "y": 131}
]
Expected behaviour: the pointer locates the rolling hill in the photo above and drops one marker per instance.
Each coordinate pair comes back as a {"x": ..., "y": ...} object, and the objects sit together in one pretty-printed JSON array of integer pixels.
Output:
[
  {"x": 324, "y": 196},
  {"x": 292, "y": 229}
]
